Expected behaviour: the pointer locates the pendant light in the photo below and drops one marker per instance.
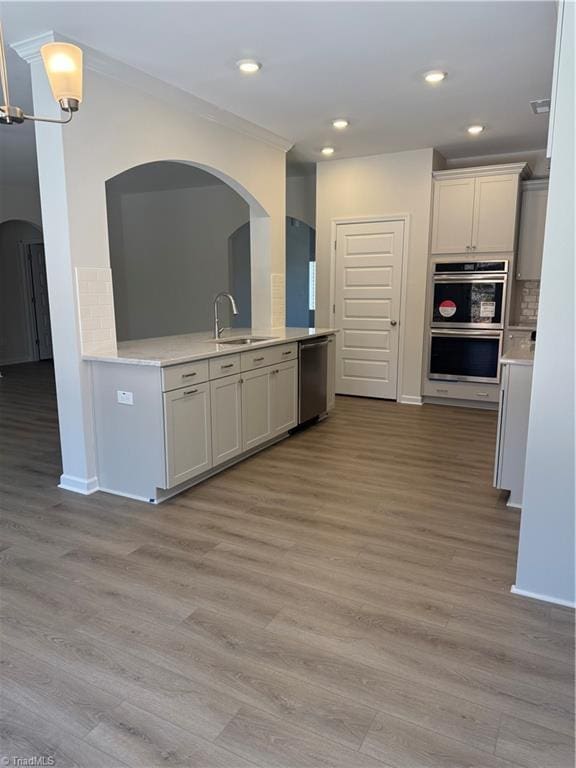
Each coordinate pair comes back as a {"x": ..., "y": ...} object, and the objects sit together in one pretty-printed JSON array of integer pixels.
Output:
[{"x": 63, "y": 65}]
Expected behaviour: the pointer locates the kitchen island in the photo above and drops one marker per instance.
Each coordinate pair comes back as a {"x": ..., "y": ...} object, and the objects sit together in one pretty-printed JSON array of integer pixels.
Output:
[
  {"x": 170, "y": 412},
  {"x": 513, "y": 416}
]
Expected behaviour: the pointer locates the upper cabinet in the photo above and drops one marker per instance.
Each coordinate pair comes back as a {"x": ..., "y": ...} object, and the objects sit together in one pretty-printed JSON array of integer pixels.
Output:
[
  {"x": 453, "y": 215},
  {"x": 532, "y": 225},
  {"x": 475, "y": 210}
]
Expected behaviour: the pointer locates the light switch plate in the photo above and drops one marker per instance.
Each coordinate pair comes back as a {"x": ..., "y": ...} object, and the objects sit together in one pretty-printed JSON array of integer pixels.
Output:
[{"x": 125, "y": 398}]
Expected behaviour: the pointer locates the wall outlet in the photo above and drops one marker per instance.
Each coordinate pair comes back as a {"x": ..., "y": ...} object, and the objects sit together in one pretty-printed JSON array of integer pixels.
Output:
[{"x": 125, "y": 398}]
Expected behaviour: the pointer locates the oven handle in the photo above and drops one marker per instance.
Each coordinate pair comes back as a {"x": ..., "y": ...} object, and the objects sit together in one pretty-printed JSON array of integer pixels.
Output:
[
  {"x": 466, "y": 333},
  {"x": 497, "y": 277}
]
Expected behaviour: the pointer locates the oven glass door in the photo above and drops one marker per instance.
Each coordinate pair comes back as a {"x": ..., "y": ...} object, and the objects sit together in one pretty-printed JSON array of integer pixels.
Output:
[
  {"x": 466, "y": 356},
  {"x": 468, "y": 303}
]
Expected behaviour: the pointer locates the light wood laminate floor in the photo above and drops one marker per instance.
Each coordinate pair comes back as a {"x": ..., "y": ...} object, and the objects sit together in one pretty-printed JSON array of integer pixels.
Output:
[{"x": 341, "y": 599}]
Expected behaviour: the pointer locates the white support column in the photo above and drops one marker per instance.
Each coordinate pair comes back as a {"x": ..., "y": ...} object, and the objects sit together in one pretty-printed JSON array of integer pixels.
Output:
[{"x": 72, "y": 377}]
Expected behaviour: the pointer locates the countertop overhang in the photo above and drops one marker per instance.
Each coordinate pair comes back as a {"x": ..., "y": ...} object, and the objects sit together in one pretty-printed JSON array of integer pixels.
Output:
[
  {"x": 174, "y": 350},
  {"x": 518, "y": 355}
]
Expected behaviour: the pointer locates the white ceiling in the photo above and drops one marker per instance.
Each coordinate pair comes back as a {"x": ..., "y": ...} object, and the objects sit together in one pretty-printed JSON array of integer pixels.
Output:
[{"x": 362, "y": 60}]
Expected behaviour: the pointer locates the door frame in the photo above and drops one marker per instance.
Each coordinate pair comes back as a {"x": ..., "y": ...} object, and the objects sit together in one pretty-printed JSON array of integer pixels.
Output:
[{"x": 405, "y": 219}]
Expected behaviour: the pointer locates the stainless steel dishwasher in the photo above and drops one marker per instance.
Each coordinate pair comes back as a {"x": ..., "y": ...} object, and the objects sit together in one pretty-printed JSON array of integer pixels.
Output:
[{"x": 313, "y": 378}]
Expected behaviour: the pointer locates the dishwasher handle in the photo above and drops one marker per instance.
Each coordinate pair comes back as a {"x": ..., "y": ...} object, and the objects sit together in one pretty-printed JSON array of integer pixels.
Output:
[{"x": 304, "y": 345}]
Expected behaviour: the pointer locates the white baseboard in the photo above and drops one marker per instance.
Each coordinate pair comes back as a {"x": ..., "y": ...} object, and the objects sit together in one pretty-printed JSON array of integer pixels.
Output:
[
  {"x": 410, "y": 400},
  {"x": 544, "y": 598},
  {"x": 79, "y": 484}
]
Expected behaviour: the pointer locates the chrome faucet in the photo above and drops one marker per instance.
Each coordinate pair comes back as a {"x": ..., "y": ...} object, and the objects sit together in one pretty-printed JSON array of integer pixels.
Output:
[{"x": 217, "y": 330}]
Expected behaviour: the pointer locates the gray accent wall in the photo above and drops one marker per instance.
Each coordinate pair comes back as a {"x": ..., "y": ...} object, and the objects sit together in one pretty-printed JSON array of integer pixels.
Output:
[
  {"x": 169, "y": 248},
  {"x": 16, "y": 332}
]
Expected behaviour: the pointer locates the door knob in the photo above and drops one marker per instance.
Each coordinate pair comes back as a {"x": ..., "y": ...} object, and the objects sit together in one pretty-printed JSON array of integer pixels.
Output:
[{"x": 393, "y": 323}]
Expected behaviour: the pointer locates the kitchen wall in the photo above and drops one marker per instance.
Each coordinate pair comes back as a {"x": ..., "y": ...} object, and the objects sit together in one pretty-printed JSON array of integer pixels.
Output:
[
  {"x": 547, "y": 527},
  {"x": 127, "y": 119},
  {"x": 169, "y": 253},
  {"x": 20, "y": 201},
  {"x": 16, "y": 340},
  {"x": 398, "y": 183},
  {"x": 301, "y": 198}
]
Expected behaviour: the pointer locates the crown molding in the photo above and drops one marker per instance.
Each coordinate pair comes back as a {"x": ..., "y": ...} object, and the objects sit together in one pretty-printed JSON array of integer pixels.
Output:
[
  {"x": 522, "y": 169},
  {"x": 99, "y": 62},
  {"x": 539, "y": 183},
  {"x": 29, "y": 49}
]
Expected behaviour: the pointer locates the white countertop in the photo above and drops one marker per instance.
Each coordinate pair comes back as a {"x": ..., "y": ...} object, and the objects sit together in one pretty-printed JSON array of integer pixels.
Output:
[
  {"x": 172, "y": 350},
  {"x": 519, "y": 354}
]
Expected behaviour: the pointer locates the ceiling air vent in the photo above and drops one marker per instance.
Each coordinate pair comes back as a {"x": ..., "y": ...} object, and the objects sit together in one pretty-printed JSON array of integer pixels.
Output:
[{"x": 540, "y": 106}]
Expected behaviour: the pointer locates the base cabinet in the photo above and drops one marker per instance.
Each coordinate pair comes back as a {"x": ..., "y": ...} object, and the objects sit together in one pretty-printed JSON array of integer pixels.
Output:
[
  {"x": 513, "y": 417},
  {"x": 284, "y": 397},
  {"x": 256, "y": 408},
  {"x": 162, "y": 429},
  {"x": 226, "y": 401},
  {"x": 188, "y": 433}
]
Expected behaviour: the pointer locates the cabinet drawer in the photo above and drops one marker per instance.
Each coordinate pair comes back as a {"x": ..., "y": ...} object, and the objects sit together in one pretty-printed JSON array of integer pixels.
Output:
[
  {"x": 174, "y": 376},
  {"x": 463, "y": 390},
  {"x": 224, "y": 366},
  {"x": 260, "y": 358}
]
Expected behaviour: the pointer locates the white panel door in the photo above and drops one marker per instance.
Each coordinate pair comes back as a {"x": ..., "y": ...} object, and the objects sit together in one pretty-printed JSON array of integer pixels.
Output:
[
  {"x": 452, "y": 216},
  {"x": 284, "y": 405},
  {"x": 226, "y": 406},
  {"x": 367, "y": 304},
  {"x": 188, "y": 433},
  {"x": 495, "y": 213},
  {"x": 256, "y": 408}
]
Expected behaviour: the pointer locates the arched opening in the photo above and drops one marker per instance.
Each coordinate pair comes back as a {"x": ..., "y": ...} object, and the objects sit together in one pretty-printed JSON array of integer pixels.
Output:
[
  {"x": 170, "y": 228},
  {"x": 300, "y": 274},
  {"x": 24, "y": 309}
]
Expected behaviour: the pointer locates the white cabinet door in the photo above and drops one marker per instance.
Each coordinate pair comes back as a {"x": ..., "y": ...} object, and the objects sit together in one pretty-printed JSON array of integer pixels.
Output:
[
  {"x": 256, "y": 408},
  {"x": 226, "y": 406},
  {"x": 331, "y": 374},
  {"x": 494, "y": 220},
  {"x": 532, "y": 226},
  {"x": 187, "y": 433},
  {"x": 453, "y": 214},
  {"x": 284, "y": 406}
]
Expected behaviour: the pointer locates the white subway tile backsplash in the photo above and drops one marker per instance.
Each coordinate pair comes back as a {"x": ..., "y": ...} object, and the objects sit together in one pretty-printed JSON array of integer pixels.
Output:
[
  {"x": 529, "y": 297},
  {"x": 96, "y": 308}
]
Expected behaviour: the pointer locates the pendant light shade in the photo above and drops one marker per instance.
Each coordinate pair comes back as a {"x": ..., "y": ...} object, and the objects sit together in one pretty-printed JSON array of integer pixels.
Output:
[{"x": 63, "y": 64}]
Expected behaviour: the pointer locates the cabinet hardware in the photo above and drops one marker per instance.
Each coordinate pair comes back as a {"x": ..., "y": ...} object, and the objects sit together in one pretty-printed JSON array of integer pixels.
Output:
[
  {"x": 481, "y": 394},
  {"x": 190, "y": 392},
  {"x": 393, "y": 323},
  {"x": 258, "y": 359},
  {"x": 188, "y": 375},
  {"x": 287, "y": 353},
  {"x": 441, "y": 390},
  {"x": 229, "y": 365}
]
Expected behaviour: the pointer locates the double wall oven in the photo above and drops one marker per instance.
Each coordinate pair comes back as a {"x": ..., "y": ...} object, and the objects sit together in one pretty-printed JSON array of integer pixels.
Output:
[{"x": 467, "y": 323}]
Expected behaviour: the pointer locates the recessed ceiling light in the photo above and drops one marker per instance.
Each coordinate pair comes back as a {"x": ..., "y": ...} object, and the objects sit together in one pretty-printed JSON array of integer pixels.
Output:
[
  {"x": 475, "y": 129},
  {"x": 248, "y": 66},
  {"x": 435, "y": 76},
  {"x": 327, "y": 151},
  {"x": 340, "y": 123}
]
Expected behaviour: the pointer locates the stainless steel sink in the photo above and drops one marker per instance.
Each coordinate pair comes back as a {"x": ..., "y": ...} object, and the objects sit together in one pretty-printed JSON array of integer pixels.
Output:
[{"x": 245, "y": 341}]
